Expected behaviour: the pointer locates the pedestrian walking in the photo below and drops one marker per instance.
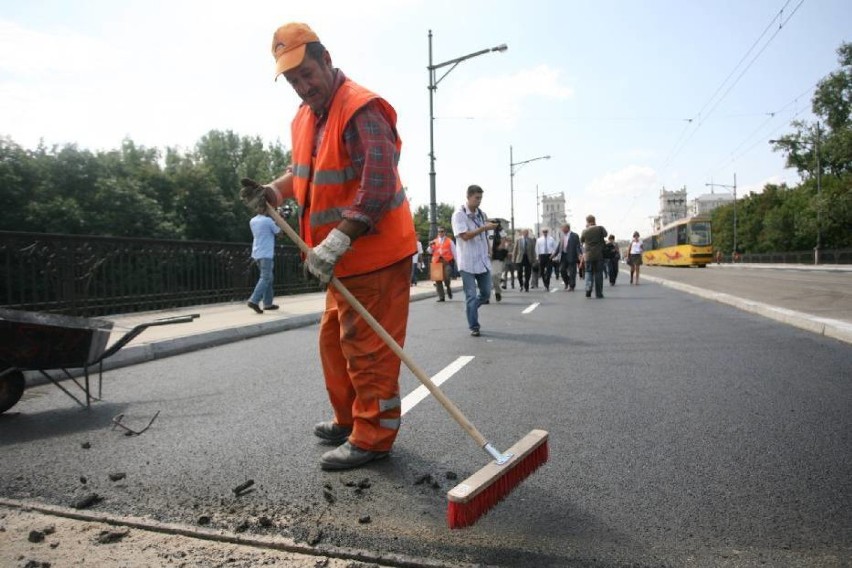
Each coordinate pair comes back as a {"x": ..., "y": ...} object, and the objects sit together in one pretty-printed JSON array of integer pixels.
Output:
[
  {"x": 635, "y": 258},
  {"x": 545, "y": 246},
  {"x": 499, "y": 254},
  {"x": 593, "y": 242},
  {"x": 509, "y": 265},
  {"x": 470, "y": 226},
  {"x": 263, "y": 230},
  {"x": 416, "y": 261},
  {"x": 523, "y": 255},
  {"x": 570, "y": 254},
  {"x": 443, "y": 251},
  {"x": 611, "y": 257},
  {"x": 357, "y": 221}
]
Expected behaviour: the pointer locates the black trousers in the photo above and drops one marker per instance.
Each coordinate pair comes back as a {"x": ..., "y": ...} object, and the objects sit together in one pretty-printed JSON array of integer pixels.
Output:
[
  {"x": 524, "y": 273},
  {"x": 568, "y": 271},
  {"x": 544, "y": 263}
]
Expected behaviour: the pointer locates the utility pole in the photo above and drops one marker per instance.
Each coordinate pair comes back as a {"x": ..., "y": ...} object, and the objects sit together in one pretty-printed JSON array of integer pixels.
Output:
[
  {"x": 433, "y": 86},
  {"x": 512, "y": 171},
  {"x": 819, "y": 198}
]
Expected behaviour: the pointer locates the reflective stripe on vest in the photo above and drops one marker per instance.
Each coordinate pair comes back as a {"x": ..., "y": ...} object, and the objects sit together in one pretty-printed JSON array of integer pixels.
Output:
[
  {"x": 326, "y": 184},
  {"x": 335, "y": 214}
]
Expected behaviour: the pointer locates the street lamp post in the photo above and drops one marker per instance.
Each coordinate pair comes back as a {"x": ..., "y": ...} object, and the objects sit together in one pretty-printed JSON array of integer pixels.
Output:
[
  {"x": 433, "y": 85},
  {"x": 512, "y": 171},
  {"x": 734, "y": 187}
]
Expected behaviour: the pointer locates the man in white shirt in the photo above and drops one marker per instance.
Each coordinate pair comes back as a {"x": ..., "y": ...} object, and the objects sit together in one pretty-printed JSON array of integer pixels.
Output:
[
  {"x": 545, "y": 246},
  {"x": 471, "y": 226},
  {"x": 415, "y": 262}
]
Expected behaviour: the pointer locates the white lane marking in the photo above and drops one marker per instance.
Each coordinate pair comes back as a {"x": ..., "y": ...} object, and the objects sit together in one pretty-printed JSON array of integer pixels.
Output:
[
  {"x": 414, "y": 397},
  {"x": 531, "y": 308}
]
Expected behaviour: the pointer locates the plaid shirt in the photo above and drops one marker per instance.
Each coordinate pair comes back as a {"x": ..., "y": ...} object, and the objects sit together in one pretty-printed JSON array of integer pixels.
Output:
[{"x": 370, "y": 141}]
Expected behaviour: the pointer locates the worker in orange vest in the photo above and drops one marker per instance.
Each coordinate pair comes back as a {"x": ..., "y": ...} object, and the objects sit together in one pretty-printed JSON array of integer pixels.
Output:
[
  {"x": 355, "y": 217},
  {"x": 443, "y": 251}
]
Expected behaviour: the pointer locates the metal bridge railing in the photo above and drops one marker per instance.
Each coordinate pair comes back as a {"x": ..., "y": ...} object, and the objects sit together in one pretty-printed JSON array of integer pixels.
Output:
[{"x": 90, "y": 276}]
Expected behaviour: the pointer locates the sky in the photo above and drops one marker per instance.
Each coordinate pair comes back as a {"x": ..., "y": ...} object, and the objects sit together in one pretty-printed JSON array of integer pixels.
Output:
[{"x": 626, "y": 97}]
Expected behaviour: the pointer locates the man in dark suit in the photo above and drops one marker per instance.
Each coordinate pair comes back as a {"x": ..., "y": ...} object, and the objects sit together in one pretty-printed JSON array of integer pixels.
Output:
[
  {"x": 569, "y": 252},
  {"x": 523, "y": 255}
]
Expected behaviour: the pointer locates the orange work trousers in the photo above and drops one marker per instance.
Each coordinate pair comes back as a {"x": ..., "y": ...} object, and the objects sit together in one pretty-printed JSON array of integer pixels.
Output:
[{"x": 361, "y": 372}]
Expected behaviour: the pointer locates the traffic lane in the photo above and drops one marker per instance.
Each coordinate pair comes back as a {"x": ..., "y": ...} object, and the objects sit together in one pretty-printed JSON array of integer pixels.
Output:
[
  {"x": 708, "y": 432},
  {"x": 822, "y": 293},
  {"x": 584, "y": 505},
  {"x": 237, "y": 412}
]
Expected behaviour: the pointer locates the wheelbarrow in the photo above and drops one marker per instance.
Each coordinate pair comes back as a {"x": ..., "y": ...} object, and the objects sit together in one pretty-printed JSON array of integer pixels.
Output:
[{"x": 35, "y": 341}]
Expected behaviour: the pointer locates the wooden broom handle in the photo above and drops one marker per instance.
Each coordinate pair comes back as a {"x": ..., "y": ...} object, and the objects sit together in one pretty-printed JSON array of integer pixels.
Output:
[{"x": 386, "y": 337}]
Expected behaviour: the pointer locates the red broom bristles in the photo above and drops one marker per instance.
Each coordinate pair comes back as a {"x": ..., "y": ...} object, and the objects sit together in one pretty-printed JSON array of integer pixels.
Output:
[{"x": 460, "y": 515}]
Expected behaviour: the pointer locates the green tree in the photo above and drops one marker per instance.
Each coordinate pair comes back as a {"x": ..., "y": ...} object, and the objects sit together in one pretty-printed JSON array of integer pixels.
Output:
[
  {"x": 444, "y": 217},
  {"x": 822, "y": 154}
]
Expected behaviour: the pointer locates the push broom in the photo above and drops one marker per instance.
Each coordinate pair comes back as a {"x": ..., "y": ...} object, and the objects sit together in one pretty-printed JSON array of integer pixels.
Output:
[{"x": 477, "y": 494}]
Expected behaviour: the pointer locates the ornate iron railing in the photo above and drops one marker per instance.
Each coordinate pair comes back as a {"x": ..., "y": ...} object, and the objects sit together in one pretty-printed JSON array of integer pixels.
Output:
[{"x": 90, "y": 276}]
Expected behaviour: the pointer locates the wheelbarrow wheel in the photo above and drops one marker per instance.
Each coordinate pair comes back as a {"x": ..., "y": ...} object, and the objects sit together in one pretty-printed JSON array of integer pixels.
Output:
[{"x": 11, "y": 389}]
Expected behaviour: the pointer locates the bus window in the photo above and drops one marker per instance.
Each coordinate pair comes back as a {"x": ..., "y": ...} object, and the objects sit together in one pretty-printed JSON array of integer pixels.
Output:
[
  {"x": 699, "y": 234},
  {"x": 681, "y": 234}
]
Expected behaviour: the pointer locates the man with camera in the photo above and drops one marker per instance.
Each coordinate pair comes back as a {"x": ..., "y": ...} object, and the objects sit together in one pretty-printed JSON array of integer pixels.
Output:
[{"x": 471, "y": 227}]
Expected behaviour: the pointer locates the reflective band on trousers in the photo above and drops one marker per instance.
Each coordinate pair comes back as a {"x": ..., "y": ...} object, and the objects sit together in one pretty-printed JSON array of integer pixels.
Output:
[
  {"x": 335, "y": 214},
  {"x": 390, "y": 424},
  {"x": 387, "y": 404}
]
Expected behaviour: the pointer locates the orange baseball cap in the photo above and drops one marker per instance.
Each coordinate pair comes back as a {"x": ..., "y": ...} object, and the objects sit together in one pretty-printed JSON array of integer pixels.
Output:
[{"x": 288, "y": 45}]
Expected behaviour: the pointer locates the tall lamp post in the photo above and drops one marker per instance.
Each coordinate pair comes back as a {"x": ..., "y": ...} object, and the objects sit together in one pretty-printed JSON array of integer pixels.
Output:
[
  {"x": 734, "y": 187},
  {"x": 819, "y": 192},
  {"x": 512, "y": 170},
  {"x": 433, "y": 86}
]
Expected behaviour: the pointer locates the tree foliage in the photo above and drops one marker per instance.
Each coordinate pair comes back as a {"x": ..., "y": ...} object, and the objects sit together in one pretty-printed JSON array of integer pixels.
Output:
[
  {"x": 785, "y": 218},
  {"x": 135, "y": 191}
]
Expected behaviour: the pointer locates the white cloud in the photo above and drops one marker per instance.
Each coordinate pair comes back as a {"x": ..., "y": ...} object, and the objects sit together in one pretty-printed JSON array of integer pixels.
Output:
[
  {"x": 504, "y": 96},
  {"x": 25, "y": 52},
  {"x": 631, "y": 180}
]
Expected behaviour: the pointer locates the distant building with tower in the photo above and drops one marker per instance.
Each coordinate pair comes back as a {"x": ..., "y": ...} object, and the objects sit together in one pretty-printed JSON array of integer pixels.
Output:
[
  {"x": 553, "y": 214},
  {"x": 673, "y": 206}
]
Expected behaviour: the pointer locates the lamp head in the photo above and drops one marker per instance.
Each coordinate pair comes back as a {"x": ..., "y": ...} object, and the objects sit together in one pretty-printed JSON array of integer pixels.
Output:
[{"x": 501, "y": 47}]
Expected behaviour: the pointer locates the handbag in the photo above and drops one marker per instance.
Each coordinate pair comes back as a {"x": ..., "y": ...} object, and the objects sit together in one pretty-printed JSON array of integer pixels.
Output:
[
  {"x": 436, "y": 271},
  {"x": 582, "y": 270}
]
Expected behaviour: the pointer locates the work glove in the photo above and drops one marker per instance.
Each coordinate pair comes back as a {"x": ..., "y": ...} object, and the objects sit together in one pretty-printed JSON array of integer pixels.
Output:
[
  {"x": 322, "y": 258},
  {"x": 254, "y": 194}
]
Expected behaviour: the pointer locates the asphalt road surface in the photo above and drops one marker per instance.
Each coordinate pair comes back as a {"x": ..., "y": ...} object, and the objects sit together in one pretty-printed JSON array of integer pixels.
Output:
[{"x": 682, "y": 433}]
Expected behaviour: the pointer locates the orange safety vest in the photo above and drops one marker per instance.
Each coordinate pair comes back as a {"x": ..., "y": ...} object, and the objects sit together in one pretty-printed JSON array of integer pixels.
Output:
[
  {"x": 326, "y": 184},
  {"x": 442, "y": 251}
]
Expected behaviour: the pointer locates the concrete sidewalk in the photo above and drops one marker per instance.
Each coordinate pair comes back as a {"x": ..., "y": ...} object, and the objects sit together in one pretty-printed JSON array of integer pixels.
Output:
[{"x": 218, "y": 324}]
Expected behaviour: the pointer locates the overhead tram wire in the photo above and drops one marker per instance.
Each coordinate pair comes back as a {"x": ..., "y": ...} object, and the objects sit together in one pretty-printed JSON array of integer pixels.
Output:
[
  {"x": 772, "y": 116},
  {"x": 700, "y": 117}
]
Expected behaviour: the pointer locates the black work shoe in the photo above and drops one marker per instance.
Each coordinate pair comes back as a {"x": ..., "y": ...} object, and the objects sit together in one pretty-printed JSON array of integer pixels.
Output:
[
  {"x": 439, "y": 300},
  {"x": 332, "y": 433},
  {"x": 474, "y": 333},
  {"x": 449, "y": 293},
  {"x": 499, "y": 297},
  {"x": 588, "y": 294},
  {"x": 272, "y": 307},
  {"x": 255, "y": 307},
  {"x": 348, "y": 456}
]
